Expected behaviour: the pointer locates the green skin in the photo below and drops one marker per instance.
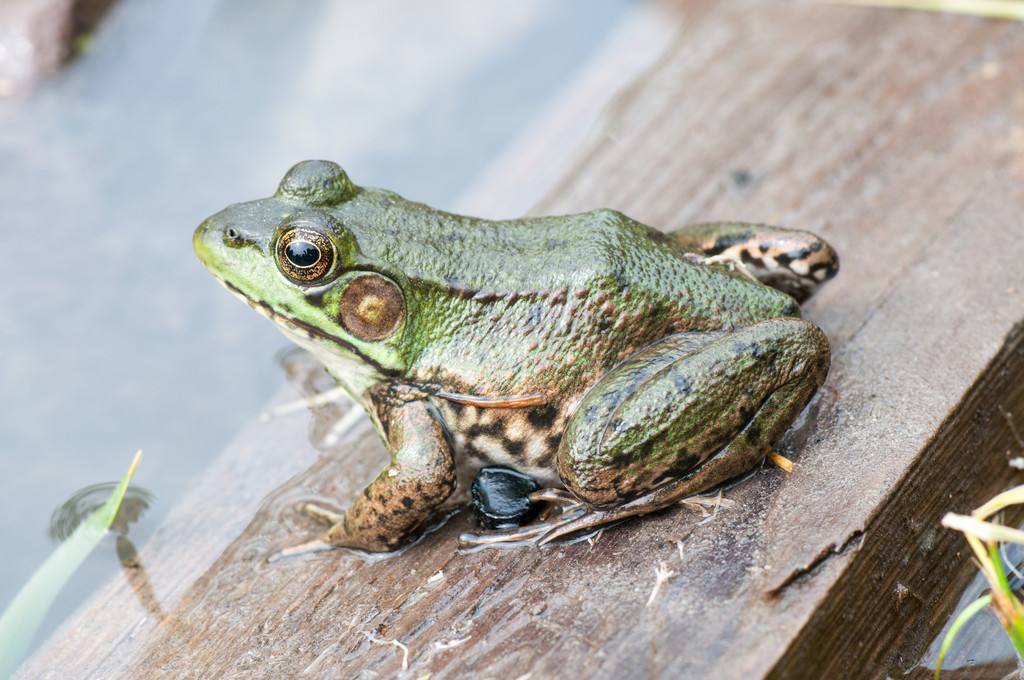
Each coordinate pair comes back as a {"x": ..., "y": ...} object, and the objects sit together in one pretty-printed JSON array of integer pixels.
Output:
[{"x": 626, "y": 366}]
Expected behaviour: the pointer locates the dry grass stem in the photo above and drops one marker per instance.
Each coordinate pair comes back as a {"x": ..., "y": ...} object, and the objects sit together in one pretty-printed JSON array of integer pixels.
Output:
[
  {"x": 703, "y": 502},
  {"x": 985, "y": 531},
  {"x": 1008, "y": 417},
  {"x": 381, "y": 641},
  {"x": 451, "y": 643},
  {"x": 988, "y": 9},
  {"x": 661, "y": 575},
  {"x": 780, "y": 461},
  {"x": 1014, "y": 496}
]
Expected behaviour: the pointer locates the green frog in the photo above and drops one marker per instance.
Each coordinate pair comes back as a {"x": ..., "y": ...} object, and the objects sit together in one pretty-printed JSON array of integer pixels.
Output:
[{"x": 621, "y": 367}]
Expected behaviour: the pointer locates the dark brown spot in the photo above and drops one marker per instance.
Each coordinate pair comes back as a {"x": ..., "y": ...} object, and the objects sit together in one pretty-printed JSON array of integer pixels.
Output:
[
  {"x": 727, "y": 241},
  {"x": 741, "y": 178},
  {"x": 371, "y": 307},
  {"x": 513, "y": 447},
  {"x": 541, "y": 418},
  {"x": 495, "y": 428}
]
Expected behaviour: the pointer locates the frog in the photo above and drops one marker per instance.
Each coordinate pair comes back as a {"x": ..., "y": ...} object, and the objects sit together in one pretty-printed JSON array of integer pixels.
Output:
[{"x": 622, "y": 367}]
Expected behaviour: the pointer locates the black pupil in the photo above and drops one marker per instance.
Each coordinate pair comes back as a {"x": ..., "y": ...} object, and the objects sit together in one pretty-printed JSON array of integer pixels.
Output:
[{"x": 302, "y": 253}]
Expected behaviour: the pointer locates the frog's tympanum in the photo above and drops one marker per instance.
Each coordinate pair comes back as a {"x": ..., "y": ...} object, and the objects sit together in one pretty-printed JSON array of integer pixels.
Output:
[{"x": 622, "y": 367}]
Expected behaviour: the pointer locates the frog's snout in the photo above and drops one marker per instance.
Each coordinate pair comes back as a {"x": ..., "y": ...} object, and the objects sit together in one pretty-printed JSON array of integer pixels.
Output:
[
  {"x": 202, "y": 241},
  {"x": 212, "y": 236}
]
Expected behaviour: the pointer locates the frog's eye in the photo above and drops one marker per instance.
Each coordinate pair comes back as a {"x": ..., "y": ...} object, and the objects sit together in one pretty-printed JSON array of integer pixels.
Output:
[{"x": 304, "y": 255}]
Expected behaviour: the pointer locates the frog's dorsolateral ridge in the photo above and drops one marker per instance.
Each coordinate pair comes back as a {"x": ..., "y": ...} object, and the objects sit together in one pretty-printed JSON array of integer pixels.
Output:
[{"x": 622, "y": 367}]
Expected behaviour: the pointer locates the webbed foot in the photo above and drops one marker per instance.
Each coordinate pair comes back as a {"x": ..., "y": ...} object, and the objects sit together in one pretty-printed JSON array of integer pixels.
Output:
[
  {"x": 326, "y": 516},
  {"x": 571, "y": 520}
]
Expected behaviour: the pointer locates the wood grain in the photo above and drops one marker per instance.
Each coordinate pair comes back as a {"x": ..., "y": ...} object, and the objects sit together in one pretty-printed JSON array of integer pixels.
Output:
[{"x": 900, "y": 138}]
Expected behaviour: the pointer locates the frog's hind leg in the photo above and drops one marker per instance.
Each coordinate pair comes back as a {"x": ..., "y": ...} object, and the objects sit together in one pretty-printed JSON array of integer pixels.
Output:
[
  {"x": 681, "y": 417},
  {"x": 795, "y": 262}
]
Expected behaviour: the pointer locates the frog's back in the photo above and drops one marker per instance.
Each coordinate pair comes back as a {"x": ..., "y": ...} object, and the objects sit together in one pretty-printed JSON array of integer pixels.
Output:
[
  {"x": 506, "y": 257},
  {"x": 566, "y": 296},
  {"x": 474, "y": 255}
]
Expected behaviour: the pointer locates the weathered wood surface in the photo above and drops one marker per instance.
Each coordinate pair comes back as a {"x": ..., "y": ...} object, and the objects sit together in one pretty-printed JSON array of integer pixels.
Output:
[{"x": 899, "y": 137}]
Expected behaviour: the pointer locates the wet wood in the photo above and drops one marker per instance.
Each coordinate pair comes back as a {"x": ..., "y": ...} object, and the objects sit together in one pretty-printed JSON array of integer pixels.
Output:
[{"x": 900, "y": 138}]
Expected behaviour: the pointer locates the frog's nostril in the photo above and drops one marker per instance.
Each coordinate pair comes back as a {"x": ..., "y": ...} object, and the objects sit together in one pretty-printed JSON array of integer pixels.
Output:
[{"x": 232, "y": 233}]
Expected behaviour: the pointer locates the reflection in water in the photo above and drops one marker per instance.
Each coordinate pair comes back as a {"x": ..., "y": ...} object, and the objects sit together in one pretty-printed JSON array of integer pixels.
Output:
[
  {"x": 137, "y": 577},
  {"x": 334, "y": 413},
  {"x": 84, "y": 502},
  {"x": 137, "y": 501}
]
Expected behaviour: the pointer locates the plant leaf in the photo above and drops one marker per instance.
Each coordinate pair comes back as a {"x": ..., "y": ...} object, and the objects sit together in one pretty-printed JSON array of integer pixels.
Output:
[
  {"x": 1014, "y": 496},
  {"x": 22, "y": 618},
  {"x": 1008, "y": 604},
  {"x": 985, "y": 531},
  {"x": 959, "y": 622},
  {"x": 989, "y": 9}
]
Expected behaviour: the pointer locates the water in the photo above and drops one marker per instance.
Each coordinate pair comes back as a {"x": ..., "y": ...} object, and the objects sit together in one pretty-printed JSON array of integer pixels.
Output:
[{"x": 113, "y": 337}]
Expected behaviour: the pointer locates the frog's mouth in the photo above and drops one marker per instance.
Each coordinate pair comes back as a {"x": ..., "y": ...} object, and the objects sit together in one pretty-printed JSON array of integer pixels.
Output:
[{"x": 299, "y": 330}]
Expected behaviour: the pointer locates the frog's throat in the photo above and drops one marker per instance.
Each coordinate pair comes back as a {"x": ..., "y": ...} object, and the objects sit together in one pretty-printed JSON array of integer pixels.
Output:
[{"x": 302, "y": 329}]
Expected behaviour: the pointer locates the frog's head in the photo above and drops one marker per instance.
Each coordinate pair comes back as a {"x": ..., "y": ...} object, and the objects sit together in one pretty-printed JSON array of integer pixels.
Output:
[{"x": 291, "y": 258}]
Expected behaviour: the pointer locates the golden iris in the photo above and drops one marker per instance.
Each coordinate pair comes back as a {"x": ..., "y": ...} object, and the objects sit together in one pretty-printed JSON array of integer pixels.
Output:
[{"x": 304, "y": 255}]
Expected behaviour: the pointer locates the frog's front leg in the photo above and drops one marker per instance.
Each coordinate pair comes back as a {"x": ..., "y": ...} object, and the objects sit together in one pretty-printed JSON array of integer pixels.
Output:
[
  {"x": 402, "y": 500},
  {"x": 796, "y": 262},
  {"x": 680, "y": 417}
]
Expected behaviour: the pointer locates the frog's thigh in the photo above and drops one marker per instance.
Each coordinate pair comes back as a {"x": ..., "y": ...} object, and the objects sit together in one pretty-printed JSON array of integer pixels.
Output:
[
  {"x": 793, "y": 261},
  {"x": 733, "y": 394}
]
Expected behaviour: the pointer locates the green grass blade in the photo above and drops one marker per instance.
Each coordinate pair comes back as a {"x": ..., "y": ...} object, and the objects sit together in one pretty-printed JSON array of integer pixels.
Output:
[
  {"x": 1015, "y": 625},
  {"x": 988, "y": 9},
  {"x": 1016, "y": 622},
  {"x": 999, "y": 569},
  {"x": 959, "y": 622},
  {"x": 21, "y": 620}
]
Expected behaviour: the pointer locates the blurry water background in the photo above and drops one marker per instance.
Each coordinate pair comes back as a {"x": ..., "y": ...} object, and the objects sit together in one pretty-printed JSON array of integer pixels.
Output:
[{"x": 113, "y": 337}]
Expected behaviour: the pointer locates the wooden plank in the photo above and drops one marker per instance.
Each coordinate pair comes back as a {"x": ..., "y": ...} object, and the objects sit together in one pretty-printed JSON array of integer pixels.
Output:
[{"x": 899, "y": 138}]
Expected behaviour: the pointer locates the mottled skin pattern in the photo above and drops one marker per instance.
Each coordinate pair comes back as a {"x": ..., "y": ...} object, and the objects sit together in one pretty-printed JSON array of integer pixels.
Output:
[
  {"x": 593, "y": 352},
  {"x": 793, "y": 261}
]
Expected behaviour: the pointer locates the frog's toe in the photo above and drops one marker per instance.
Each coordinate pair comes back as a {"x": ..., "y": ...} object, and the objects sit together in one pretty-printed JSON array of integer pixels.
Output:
[
  {"x": 577, "y": 526},
  {"x": 555, "y": 495},
  {"x": 308, "y": 548},
  {"x": 527, "y": 534},
  {"x": 320, "y": 513}
]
